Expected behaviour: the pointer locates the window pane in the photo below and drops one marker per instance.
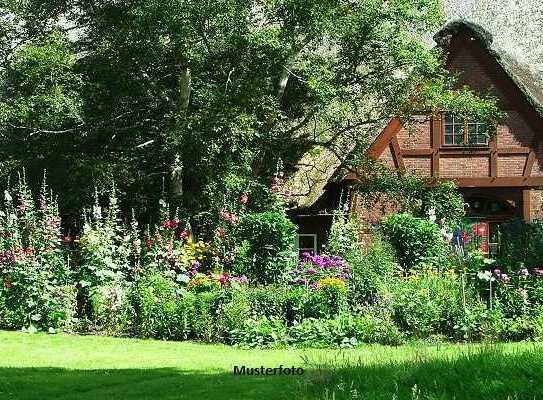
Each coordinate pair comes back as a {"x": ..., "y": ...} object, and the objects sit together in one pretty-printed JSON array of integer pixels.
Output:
[{"x": 449, "y": 139}]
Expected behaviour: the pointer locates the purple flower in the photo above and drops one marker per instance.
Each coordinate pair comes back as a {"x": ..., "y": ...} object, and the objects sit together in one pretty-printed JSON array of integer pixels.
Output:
[
  {"x": 312, "y": 271},
  {"x": 497, "y": 271}
]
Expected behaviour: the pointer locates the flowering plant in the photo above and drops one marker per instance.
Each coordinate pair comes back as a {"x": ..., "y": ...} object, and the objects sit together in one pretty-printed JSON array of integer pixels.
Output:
[{"x": 313, "y": 268}]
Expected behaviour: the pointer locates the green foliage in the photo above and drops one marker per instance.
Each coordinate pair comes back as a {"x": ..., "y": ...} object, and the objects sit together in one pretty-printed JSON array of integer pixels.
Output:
[
  {"x": 343, "y": 331},
  {"x": 415, "y": 240},
  {"x": 157, "y": 306},
  {"x": 37, "y": 288},
  {"x": 112, "y": 311},
  {"x": 374, "y": 269},
  {"x": 411, "y": 193},
  {"x": 521, "y": 244},
  {"x": 269, "y": 239},
  {"x": 134, "y": 89},
  {"x": 429, "y": 302}
]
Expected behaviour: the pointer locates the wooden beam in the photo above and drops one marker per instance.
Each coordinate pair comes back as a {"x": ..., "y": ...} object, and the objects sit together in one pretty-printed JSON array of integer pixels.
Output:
[
  {"x": 383, "y": 140},
  {"x": 526, "y": 205},
  {"x": 493, "y": 157},
  {"x": 417, "y": 152},
  {"x": 513, "y": 150},
  {"x": 502, "y": 181},
  {"x": 529, "y": 164},
  {"x": 436, "y": 132},
  {"x": 397, "y": 153},
  {"x": 464, "y": 151}
]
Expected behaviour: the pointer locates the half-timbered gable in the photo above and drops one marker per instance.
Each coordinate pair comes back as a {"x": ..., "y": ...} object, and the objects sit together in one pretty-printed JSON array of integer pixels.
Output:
[{"x": 499, "y": 172}]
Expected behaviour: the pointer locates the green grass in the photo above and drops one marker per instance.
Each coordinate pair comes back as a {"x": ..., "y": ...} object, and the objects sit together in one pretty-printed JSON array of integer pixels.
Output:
[{"x": 86, "y": 367}]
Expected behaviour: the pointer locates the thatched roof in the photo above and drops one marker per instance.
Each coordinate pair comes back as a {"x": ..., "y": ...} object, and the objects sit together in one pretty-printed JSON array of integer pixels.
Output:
[
  {"x": 319, "y": 166},
  {"x": 525, "y": 77}
]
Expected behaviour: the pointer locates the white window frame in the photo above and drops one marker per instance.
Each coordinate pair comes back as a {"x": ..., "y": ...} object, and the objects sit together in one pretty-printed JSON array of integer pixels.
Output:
[{"x": 312, "y": 235}]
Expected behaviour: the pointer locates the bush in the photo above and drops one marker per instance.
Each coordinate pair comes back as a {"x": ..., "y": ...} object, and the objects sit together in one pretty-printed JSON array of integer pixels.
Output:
[
  {"x": 268, "y": 240},
  {"x": 111, "y": 309},
  {"x": 521, "y": 243},
  {"x": 262, "y": 333},
  {"x": 206, "y": 314},
  {"x": 161, "y": 311},
  {"x": 371, "y": 271},
  {"x": 415, "y": 240},
  {"x": 426, "y": 302},
  {"x": 343, "y": 331},
  {"x": 235, "y": 310}
]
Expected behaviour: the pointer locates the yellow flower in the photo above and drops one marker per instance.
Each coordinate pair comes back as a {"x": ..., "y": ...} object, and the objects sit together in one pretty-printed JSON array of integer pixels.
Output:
[{"x": 331, "y": 282}]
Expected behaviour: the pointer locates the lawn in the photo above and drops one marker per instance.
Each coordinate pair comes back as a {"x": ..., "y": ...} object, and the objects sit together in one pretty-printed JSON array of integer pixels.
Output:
[{"x": 85, "y": 367}]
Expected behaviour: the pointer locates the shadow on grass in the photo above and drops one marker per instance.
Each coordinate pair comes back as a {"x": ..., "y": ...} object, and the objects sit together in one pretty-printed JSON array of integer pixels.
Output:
[
  {"x": 483, "y": 374},
  {"x": 141, "y": 384},
  {"x": 477, "y": 375}
]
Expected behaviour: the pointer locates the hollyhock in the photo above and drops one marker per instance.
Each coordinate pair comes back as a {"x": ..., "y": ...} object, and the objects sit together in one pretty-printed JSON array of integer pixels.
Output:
[
  {"x": 170, "y": 224},
  {"x": 244, "y": 198}
]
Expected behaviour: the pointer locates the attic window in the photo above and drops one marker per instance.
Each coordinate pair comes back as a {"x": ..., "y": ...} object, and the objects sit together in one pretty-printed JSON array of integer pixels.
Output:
[{"x": 459, "y": 131}]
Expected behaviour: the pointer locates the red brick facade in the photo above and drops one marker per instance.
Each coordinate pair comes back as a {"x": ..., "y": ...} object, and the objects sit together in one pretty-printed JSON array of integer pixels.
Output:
[{"x": 509, "y": 169}]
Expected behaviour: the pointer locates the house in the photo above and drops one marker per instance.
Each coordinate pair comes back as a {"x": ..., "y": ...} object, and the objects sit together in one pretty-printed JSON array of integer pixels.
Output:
[{"x": 500, "y": 178}]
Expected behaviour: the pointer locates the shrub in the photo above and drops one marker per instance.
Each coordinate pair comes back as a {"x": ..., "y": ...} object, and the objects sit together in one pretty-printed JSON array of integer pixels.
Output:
[
  {"x": 206, "y": 312},
  {"x": 262, "y": 333},
  {"x": 415, "y": 240},
  {"x": 111, "y": 308},
  {"x": 156, "y": 302},
  {"x": 521, "y": 244},
  {"x": 268, "y": 240},
  {"x": 235, "y": 310},
  {"x": 426, "y": 302},
  {"x": 371, "y": 271},
  {"x": 343, "y": 331}
]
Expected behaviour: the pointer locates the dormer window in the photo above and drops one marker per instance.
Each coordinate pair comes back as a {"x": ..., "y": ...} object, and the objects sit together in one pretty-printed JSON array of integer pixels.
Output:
[{"x": 459, "y": 131}]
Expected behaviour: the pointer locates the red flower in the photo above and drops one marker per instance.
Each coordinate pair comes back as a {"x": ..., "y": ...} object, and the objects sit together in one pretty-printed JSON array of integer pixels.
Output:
[
  {"x": 221, "y": 233},
  {"x": 149, "y": 242},
  {"x": 229, "y": 217},
  {"x": 224, "y": 278},
  {"x": 170, "y": 224}
]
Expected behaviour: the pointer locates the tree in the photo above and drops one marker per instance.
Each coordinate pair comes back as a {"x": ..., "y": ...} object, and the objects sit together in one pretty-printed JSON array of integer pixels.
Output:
[{"x": 229, "y": 86}]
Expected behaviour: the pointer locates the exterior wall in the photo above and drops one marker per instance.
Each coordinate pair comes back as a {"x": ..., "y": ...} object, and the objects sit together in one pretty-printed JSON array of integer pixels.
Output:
[
  {"x": 463, "y": 166},
  {"x": 415, "y": 136},
  {"x": 516, "y": 152}
]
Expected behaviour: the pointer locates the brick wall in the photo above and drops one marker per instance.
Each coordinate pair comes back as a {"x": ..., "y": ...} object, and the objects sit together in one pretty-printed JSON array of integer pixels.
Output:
[
  {"x": 415, "y": 136},
  {"x": 511, "y": 165},
  {"x": 464, "y": 166},
  {"x": 421, "y": 166}
]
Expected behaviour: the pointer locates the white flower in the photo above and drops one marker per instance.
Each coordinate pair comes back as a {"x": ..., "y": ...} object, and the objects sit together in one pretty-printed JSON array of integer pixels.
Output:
[{"x": 485, "y": 276}]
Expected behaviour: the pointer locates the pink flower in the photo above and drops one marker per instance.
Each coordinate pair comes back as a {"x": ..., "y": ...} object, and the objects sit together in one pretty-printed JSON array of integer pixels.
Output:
[
  {"x": 229, "y": 217},
  {"x": 244, "y": 198},
  {"x": 221, "y": 233},
  {"x": 183, "y": 235}
]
